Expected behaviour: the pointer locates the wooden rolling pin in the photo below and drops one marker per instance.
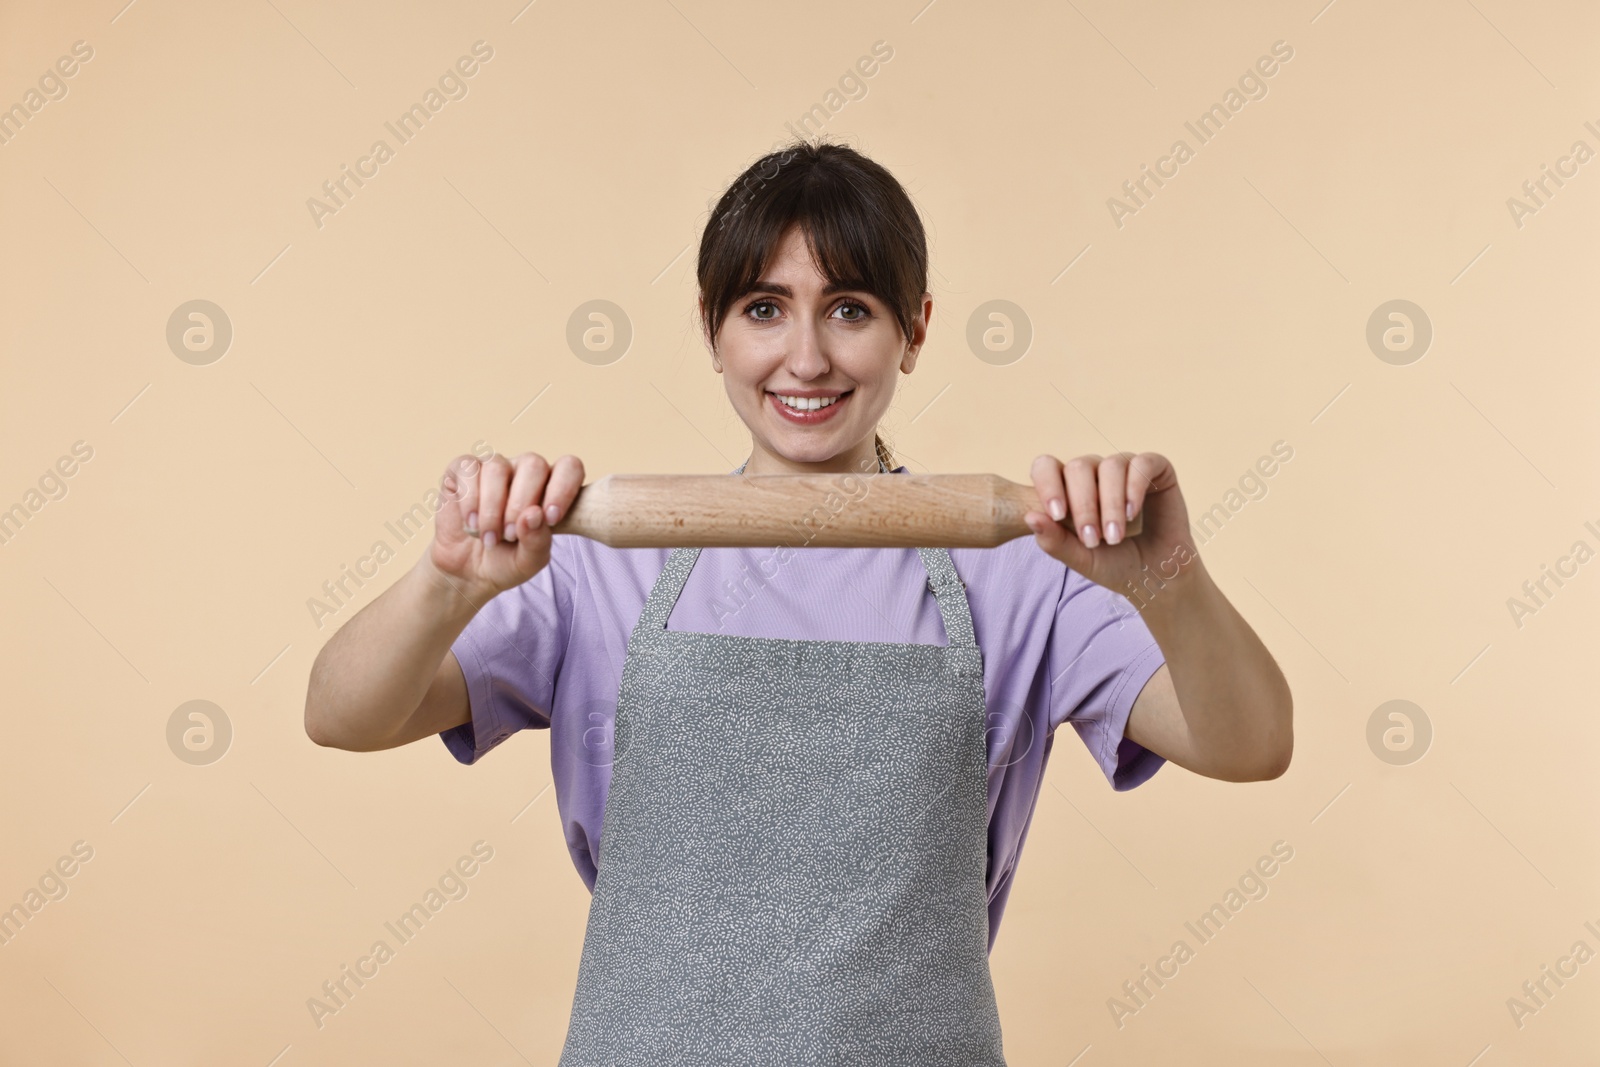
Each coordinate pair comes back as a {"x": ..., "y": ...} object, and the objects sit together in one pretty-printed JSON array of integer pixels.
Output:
[{"x": 803, "y": 510}]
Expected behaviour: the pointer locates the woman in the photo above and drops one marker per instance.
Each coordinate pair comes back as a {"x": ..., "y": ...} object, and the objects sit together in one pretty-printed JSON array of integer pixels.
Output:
[{"x": 809, "y": 773}]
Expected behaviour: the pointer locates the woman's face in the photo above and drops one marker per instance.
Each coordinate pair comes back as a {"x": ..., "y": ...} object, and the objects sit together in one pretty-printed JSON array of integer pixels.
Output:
[{"x": 811, "y": 372}]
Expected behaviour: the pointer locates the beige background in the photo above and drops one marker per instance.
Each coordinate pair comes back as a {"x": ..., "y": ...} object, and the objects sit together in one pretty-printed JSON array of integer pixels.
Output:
[{"x": 1228, "y": 313}]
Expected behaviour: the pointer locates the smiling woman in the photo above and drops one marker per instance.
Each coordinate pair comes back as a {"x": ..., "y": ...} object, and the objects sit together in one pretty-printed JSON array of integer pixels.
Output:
[
  {"x": 809, "y": 312},
  {"x": 800, "y": 820}
]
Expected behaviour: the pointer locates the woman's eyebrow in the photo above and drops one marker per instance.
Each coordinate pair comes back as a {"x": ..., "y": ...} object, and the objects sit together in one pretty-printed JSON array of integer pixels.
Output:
[{"x": 779, "y": 289}]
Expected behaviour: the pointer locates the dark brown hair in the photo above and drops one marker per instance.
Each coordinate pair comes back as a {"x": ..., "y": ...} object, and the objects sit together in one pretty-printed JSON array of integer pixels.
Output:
[{"x": 861, "y": 227}]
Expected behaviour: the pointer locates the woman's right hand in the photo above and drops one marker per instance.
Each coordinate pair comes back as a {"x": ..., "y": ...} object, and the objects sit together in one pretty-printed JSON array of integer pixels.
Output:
[{"x": 493, "y": 530}]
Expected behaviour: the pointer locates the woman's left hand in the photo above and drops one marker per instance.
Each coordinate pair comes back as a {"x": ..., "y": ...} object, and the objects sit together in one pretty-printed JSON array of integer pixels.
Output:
[{"x": 1096, "y": 497}]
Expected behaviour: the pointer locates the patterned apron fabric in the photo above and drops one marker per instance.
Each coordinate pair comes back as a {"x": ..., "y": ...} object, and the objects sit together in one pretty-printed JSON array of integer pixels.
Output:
[{"x": 793, "y": 851}]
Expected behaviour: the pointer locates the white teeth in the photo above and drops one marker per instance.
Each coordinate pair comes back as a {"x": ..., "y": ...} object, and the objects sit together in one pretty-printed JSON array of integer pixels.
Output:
[{"x": 801, "y": 403}]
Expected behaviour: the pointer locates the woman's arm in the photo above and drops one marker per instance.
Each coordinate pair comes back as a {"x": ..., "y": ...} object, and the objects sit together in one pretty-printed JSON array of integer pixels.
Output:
[
  {"x": 388, "y": 677},
  {"x": 1219, "y": 706}
]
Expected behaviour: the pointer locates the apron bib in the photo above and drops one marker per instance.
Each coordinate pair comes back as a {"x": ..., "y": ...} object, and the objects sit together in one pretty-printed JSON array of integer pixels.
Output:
[{"x": 793, "y": 851}]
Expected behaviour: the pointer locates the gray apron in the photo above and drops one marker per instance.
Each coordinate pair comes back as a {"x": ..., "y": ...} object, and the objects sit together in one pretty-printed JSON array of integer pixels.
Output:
[{"x": 793, "y": 851}]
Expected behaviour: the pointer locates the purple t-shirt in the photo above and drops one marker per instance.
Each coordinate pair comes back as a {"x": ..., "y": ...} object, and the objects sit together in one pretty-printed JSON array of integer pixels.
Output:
[{"x": 1057, "y": 648}]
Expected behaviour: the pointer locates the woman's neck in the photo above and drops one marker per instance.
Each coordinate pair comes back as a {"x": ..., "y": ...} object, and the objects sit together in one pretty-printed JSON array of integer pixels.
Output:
[{"x": 862, "y": 459}]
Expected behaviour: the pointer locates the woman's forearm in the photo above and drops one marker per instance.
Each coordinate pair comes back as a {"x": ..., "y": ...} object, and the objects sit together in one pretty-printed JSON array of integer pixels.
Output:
[
  {"x": 374, "y": 673},
  {"x": 386, "y": 678},
  {"x": 1234, "y": 699}
]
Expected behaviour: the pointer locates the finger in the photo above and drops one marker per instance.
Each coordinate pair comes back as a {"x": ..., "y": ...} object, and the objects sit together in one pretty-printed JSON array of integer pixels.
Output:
[
  {"x": 493, "y": 483},
  {"x": 530, "y": 521},
  {"x": 1084, "y": 498},
  {"x": 566, "y": 478},
  {"x": 1048, "y": 483},
  {"x": 1142, "y": 471},
  {"x": 1113, "y": 481},
  {"x": 459, "y": 515},
  {"x": 532, "y": 546},
  {"x": 1055, "y": 539},
  {"x": 529, "y": 472}
]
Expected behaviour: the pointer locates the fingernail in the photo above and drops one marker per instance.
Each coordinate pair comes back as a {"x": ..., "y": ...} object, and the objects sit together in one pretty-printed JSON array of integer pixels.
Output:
[
  {"x": 1112, "y": 534},
  {"x": 1130, "y": 511},
  {"x": 472, "y": 521},
  {"x": 511, "y": 531},
  {"x": 550, "y": 512},
  {"x": 488, "y": 539},
  {"x": 1090, "y": 538},
  {"x": 1058, "y": 510}
]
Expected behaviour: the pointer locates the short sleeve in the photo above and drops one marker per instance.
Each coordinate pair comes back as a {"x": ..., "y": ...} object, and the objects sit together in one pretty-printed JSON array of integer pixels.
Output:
[
  {"x": 511, "y": 653},
  {"x": 1100, "y": 656}
]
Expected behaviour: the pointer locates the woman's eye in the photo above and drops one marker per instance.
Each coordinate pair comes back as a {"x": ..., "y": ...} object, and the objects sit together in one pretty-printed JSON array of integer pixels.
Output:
[{"x": 766, "y": 311}]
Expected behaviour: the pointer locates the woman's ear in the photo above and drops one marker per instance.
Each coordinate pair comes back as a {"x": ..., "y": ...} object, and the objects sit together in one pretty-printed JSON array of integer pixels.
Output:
[{"x": 919, "y": 334}]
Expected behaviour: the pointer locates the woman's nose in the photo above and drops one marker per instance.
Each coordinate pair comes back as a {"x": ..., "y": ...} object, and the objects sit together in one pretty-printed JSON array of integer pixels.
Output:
[{"x": 805, "y": 358}]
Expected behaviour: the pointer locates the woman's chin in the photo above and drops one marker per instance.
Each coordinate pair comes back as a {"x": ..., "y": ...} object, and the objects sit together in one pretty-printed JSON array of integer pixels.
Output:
[
  {"x": 809, "y": 451},
  {"x": 800, "y": 444}
]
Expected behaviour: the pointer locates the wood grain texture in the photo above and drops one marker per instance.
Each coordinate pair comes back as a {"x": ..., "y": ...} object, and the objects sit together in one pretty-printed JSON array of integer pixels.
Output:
[{"x": 803, "y": 510}]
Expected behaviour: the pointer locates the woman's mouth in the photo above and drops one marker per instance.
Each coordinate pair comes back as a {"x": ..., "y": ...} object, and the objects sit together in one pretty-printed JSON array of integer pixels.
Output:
[{"x": 809, "y": 410}]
